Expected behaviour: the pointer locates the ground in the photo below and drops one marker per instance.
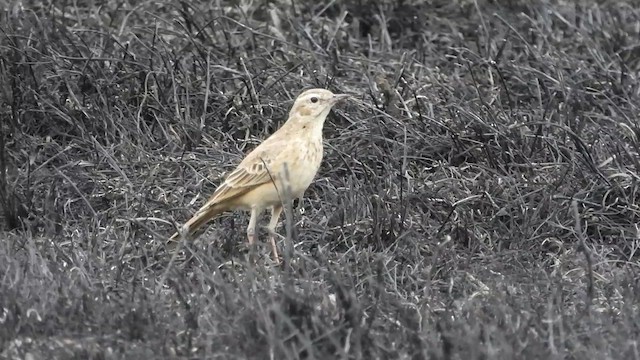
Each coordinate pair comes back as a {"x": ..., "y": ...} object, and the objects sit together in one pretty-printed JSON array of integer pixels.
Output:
[{"x": 478, "y": 197}]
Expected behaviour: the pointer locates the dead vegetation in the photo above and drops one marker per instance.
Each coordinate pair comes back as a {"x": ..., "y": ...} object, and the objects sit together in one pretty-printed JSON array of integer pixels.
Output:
[{"x": 478, "y": 199}]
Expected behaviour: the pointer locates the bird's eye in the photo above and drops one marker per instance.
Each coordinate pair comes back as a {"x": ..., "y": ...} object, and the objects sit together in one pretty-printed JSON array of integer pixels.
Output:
[{"x": 314, "y": 99}]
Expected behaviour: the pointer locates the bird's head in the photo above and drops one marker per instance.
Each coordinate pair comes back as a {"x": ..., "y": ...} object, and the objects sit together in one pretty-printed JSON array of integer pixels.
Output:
[{"x": 315, "y": 104}]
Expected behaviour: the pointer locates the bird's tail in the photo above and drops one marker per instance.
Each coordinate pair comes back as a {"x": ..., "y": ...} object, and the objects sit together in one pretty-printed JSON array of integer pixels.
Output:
[{"x": 200, "y": 218}]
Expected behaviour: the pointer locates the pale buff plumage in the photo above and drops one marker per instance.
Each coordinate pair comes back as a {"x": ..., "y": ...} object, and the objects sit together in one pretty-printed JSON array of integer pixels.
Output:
[{"x": 260, "y": 181}]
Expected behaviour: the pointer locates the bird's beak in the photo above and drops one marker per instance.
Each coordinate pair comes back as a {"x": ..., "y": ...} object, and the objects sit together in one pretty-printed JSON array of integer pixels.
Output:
[{"x": 339, "y": 97}]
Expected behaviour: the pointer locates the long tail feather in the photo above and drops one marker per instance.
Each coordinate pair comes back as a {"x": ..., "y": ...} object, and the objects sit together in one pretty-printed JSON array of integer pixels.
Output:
[{"x": 199, "y": 219}]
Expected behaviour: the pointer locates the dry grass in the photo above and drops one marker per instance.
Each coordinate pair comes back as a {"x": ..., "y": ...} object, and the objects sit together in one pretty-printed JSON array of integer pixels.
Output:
[{"x": 478, "y": 199}]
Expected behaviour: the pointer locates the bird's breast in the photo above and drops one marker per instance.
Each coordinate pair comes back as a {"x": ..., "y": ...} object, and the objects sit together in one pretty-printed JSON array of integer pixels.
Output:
[{"x": 303, "y": 167}]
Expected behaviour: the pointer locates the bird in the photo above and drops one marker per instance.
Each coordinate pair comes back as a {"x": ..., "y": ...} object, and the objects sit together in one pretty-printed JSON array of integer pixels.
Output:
[{"x": 280, "y": 169}]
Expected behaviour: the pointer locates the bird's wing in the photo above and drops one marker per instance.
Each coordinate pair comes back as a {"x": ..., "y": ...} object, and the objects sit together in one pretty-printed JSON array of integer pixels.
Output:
[
  {"x": 243, "y": 179},
  {"x": 252, "y": 172}
]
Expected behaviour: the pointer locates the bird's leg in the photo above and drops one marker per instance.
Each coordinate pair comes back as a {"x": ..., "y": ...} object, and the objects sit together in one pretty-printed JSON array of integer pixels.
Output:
[
  {"x": 300, "y": 204},
  {"x": 276, "y": 210},
  {"x": 251, "y": 230}
]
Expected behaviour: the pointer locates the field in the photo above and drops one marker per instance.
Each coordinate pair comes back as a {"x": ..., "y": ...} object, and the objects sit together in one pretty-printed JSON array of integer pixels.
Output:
[{"x": 478, "y": 198}]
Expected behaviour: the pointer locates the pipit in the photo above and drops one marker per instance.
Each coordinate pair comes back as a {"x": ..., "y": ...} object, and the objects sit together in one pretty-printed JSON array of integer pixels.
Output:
[{"x": 280, "y": 169}]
